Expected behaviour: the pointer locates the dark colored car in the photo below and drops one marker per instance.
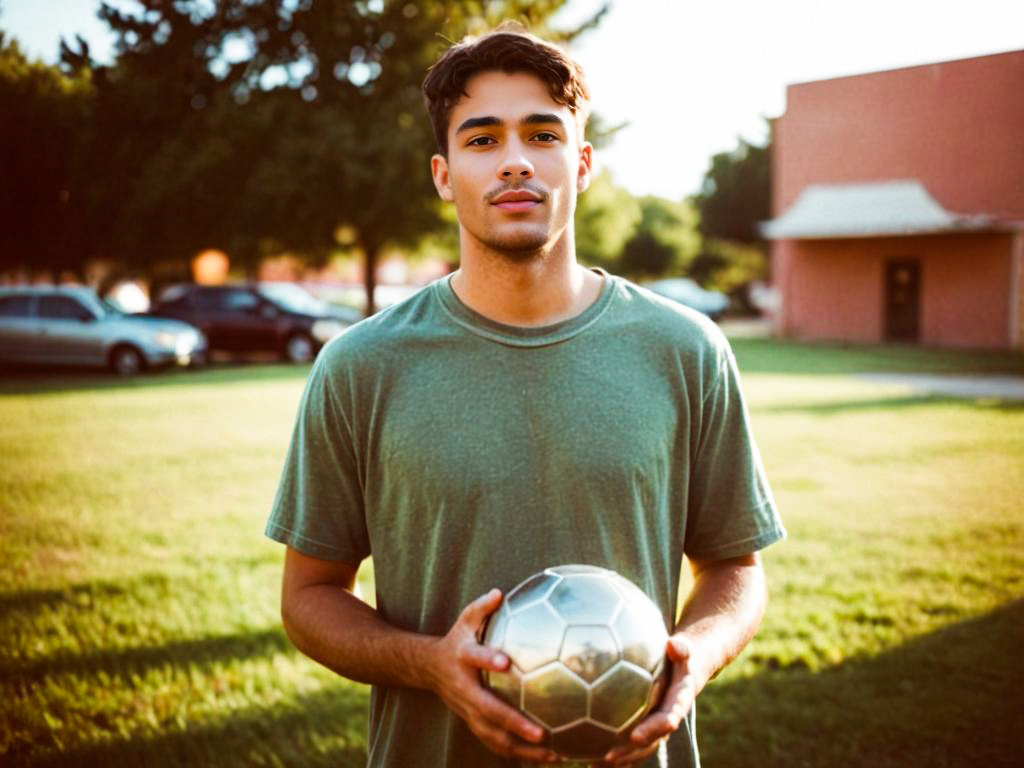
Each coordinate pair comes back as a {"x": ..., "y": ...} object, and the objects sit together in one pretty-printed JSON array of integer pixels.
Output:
[
  {"x": 265, "y": 317},
  {"x": 71, "y": 325}
]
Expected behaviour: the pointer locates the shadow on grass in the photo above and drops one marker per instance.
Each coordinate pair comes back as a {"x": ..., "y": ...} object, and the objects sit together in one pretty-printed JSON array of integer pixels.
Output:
[
  {"x": 326, "y": 728},
  {"x": 88, "y": 592},
  {"x": 127, "y": 662},
  {"x": 778, "y": 356},
  {"x": 897, "y": 402},
  {"x": 34, "y": 600},
  {"x": 36, "y": 380},
  {"x": 950, "y": 698}
]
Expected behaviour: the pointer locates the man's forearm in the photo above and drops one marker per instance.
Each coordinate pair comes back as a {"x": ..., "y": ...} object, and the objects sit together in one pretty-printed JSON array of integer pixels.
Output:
[
  {"x": 722, "y": 613},
  {"x": 328, "y": 623},
  {"x": 334, "y": 627}
]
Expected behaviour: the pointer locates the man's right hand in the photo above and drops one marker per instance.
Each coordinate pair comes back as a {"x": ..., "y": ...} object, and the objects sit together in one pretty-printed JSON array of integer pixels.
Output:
[{"x": 454, "y": 675}]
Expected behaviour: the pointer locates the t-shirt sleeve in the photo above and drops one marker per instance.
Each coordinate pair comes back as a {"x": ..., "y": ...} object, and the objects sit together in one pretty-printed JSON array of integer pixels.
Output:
[
  {"x": 319, "y": 506},
  {"x": 731, "y": 508}
]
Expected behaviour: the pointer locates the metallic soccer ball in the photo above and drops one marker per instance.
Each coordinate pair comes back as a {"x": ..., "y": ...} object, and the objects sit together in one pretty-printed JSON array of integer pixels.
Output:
[{"x": 587, "y": 648}]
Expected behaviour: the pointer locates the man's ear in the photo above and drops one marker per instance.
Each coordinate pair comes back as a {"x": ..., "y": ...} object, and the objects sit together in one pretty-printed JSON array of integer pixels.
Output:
[
  {"x": 586, "y": 164},
  {"x": 442, "y": 180}
]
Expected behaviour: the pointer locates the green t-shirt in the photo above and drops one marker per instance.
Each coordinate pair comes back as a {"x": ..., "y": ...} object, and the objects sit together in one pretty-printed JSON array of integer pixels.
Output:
[{"x": 463, "y": 454}]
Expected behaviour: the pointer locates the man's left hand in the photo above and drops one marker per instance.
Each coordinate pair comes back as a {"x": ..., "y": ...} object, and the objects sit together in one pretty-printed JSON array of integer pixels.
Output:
[{"x": 666, "y": 719}]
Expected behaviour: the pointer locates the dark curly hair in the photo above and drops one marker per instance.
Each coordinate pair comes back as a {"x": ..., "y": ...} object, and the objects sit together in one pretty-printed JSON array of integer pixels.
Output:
[{"x": 509, "y": 49}]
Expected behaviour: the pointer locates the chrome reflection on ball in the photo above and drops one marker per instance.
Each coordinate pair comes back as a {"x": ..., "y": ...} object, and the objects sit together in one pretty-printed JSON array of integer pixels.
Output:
[{"x": 588, "y": 656}]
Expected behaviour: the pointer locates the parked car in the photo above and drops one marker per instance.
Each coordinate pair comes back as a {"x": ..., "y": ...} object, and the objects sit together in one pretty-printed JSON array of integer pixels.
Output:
[
  {"x": 71, "y": 325},
  {"x": 686, "y": 292},
  {"x": 265, "y": 317}
]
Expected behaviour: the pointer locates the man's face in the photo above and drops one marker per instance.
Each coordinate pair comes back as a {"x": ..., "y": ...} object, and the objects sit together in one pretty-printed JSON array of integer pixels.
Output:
[{"x": 515, "y": 165}]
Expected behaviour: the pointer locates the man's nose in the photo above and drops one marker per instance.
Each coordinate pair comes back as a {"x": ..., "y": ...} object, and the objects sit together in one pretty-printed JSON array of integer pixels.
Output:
[{"x": 514, "y": 163}]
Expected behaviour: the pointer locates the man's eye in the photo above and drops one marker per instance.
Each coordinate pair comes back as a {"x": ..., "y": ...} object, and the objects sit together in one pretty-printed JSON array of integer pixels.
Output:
[
  {"x": 545, "y": 136},
  {"x": 480, "y": 141}
]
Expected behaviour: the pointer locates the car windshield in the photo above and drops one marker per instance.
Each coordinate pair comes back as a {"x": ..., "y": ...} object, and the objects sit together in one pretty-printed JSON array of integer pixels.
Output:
[
  {"x": 110, "y": 308},
  {"x": 293, "y": 298},
  {"x": 99, "y": 307}
]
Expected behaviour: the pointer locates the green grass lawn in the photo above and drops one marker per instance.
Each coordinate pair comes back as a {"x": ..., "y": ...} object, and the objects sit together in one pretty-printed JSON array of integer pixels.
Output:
[{"x": 138, "y": 597}]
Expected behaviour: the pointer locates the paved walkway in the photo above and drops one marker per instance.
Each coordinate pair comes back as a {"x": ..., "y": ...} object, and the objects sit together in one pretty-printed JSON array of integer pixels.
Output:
[{"x": 1002, "y": 387}]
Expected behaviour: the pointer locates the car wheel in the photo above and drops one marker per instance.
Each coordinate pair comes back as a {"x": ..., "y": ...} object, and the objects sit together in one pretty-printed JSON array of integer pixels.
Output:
[
  {"x": 126, "y": 360},
  {"x": 299, "y": 348}
]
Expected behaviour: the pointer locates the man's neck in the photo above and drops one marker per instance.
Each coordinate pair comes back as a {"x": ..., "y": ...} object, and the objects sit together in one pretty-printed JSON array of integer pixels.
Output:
[{"x": 527, "y": 291}]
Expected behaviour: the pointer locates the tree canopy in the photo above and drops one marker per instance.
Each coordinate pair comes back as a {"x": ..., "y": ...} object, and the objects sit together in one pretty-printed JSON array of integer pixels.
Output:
[
  {"x": 736, "y": 193},
  {"x": 735, "y": 197},
  {"x": 42, "y": 214},
  {"x": 265, "y": 126}
]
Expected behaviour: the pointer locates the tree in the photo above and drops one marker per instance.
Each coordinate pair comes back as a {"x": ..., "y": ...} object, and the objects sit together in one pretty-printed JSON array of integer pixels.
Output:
[
  {"x": 736, "y": 193},
  {"x": 606, "y": 217},
  {"x": 646, "y": 256},
  {"x": 734, "y": 198},
  {"x": 255, "y": 125},
  {"x": 665, "y": 239},
  {"x": 728, "y": 266},
  {"x": 39, "y": 198}
]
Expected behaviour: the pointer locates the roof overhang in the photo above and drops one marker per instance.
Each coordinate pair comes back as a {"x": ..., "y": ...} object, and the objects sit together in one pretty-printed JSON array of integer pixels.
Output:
[{"x": 873, "y": 209}]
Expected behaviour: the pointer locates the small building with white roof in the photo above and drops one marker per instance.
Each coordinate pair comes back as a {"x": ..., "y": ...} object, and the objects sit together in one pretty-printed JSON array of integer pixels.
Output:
[{"x": 899, "y": 206}]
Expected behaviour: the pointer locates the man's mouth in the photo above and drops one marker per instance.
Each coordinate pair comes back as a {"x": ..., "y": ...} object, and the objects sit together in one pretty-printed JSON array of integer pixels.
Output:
[{"x": 517, "y": 200}]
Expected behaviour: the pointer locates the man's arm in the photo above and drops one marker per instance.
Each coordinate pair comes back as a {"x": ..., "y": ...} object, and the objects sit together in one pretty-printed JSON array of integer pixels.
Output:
[
  {"x": 720, "y": 617},
  {"x": 328, "y": 623}
]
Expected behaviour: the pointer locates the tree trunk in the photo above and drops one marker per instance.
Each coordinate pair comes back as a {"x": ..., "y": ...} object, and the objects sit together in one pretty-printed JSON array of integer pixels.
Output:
[
  {"x": 252, "y": 265},
  {"x": 370, "y": 280}
]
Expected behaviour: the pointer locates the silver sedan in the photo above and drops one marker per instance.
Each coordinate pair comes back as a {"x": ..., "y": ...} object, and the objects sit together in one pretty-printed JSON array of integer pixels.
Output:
[{"x": 71, "y": 325}]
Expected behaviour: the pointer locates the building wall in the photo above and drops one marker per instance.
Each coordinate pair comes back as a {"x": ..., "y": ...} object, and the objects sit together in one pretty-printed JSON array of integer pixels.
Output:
[
  {"x": 1017, "y": 294},
  {"x": 834, "y": 289},
  {"x": 956, "y": 126}
]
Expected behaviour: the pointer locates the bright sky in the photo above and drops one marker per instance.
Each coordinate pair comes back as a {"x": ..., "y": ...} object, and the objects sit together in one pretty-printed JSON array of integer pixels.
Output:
[{"x": 690, "y": 75}]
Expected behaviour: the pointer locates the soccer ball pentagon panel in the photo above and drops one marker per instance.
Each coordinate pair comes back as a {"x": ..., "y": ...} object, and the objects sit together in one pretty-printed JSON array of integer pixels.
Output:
[{"x": 587, "y": 648}]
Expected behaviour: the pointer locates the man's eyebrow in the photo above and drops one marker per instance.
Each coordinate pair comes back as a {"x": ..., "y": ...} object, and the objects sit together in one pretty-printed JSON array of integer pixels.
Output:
[
  {"x": 478, "y": 122},
  {"x": 543, "y": 118},
  {"x": 489, "y": 121}
]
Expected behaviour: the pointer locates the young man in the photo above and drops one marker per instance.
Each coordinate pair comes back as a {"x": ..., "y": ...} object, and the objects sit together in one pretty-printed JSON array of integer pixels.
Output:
[{"x": 522, "y": 413}]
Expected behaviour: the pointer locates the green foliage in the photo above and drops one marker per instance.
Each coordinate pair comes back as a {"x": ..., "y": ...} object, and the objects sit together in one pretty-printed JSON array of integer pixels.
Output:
[
  {"x": 665, "y": 241},
  {"x": 736, "y": 193},
  {"x": 735, "y": 197},
  {"x": 646, "y": 256},
  {"x": 139, "y": 610},
  {"x": 637, "y": 237},
  {"x": 606, "y": 217},
  {"x": 727, "y": 266},
  {"x": 42, "y": 220}
]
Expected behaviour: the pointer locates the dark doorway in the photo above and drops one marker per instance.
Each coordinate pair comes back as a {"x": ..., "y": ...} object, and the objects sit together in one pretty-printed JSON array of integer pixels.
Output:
[{"x": 902, "y": 300}]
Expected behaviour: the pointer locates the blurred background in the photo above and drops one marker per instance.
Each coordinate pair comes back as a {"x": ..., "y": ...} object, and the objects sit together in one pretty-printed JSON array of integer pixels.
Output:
[
  {"x": 840, "y": 185},
  {"x": 165, "y": 142}
]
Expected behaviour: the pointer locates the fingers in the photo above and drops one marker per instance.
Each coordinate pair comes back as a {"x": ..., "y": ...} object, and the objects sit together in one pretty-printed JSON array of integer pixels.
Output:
[
  {"x": 483, "y": 656},
  {"x": 473, "y": 615},
  {"x": 501, "y": 728},
  {"x": 626, "y": 756},
  {"x": 505, "y": 730},
  {"x": 678, "y": 649},
  {"x": 644, "y": 740},
  {"x": 506, "y": 744},
  {"x": 471, "y": 620},
  {"x": 502, "y": 716},
  {"x": 663, "y": 722},
  {"x": 656, "y": 727}
]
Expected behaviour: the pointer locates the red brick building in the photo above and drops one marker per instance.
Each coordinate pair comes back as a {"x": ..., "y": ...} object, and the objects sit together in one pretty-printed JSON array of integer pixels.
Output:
[{"x": 899, "y": 206}]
